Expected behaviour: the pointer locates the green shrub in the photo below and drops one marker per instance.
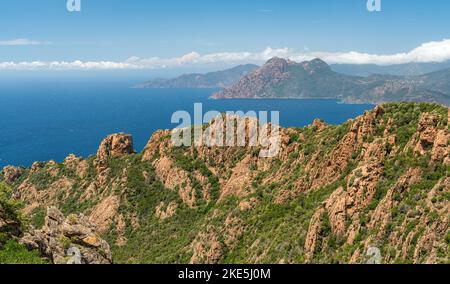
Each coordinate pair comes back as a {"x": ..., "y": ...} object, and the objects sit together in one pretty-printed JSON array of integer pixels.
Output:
[
  {"x": 38, "y": 217},
  {"x": 14, "y": 253}
]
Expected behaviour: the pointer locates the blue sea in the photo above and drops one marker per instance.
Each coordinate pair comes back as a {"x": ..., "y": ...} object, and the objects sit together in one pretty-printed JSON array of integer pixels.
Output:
[{"x": 42, "y": 120}]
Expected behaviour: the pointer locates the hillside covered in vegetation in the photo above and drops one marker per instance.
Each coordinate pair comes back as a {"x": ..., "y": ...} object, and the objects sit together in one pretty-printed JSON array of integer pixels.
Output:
[{"x": 333, "y": 194}]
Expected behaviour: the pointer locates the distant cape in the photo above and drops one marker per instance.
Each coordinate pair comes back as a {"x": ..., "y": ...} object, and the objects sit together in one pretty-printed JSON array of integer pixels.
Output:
[{"x": 218, "y": 79}]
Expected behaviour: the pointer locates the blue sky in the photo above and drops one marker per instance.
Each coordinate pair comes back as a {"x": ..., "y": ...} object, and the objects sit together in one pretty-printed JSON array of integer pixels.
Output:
[{"x": 165, "y": 31}]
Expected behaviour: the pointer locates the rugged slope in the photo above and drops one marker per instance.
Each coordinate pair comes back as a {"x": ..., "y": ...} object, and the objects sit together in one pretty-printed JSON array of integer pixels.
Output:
[
  {"x": 20, "y": 242},
  {"x": 11, "y": 229},
  {"x": 332, "y": 195},
  {"x": 219, "y": 79},
  {"x": 280, "y": 78}
]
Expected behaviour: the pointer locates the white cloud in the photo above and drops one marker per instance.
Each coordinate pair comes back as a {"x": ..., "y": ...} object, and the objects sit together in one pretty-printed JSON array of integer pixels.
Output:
[
  {"x": 20, "y": 41},
  {"x": 149, "y": 63},
  {"x": 436, "y": 51},
  {"x": 65, "y": 65}
]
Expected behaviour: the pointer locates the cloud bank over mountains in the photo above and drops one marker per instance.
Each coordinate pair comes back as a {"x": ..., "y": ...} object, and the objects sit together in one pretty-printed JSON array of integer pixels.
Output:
[{"x": 435, "y": 51}]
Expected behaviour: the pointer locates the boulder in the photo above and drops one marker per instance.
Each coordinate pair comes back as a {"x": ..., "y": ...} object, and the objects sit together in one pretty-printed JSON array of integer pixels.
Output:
[
  {"x": 11, "y": 174},
  {"x": 61, "y": 239}
]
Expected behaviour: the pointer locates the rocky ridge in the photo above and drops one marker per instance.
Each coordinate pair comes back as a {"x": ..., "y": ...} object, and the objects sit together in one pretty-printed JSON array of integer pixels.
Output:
[{"x": 333, "y": 192}]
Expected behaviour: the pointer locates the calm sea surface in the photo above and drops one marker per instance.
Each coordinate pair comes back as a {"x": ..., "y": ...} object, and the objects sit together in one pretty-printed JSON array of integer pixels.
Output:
[{"x": 42, "y": 120}]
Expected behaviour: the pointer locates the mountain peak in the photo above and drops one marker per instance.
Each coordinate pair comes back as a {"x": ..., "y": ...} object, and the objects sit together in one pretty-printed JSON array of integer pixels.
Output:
[
  {"x": 318, "y": 60},
  {"x": 277, "y": 61},
  {"x": 315, "y": 65},
  {"x": 312, "y": 66}
]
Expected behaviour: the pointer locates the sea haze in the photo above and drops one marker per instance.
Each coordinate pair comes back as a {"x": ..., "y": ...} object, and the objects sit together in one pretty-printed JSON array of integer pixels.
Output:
[{"x": 43, "y": 120}]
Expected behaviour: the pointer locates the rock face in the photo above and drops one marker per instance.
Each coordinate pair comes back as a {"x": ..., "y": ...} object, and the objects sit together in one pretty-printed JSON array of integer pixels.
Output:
[
  {"x": 281, "y": 78},
  {"x": 104, "y": 213},
  {"x": 61, "y": 235},
  {"x": 11, "y": 174},
  {"x": 76, "y": 164},
  {"x": 114, "y": 146},
  {"x": 164, "y": 212},
  {"x": 157, "y": 143},
  {"x": 175, "y": 178}
]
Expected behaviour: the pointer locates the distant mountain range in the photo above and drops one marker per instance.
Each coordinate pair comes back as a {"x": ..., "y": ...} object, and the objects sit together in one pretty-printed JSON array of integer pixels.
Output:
[
  {"x": 281, "y": 78},
  {"x": 408, "y": 69},
  {"x": 219, "y": 79}
]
